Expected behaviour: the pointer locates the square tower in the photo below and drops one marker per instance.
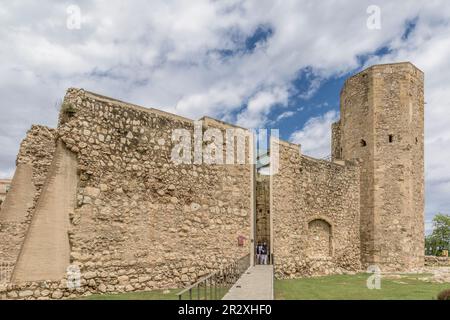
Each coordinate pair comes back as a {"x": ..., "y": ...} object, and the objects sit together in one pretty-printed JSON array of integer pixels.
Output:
[{"x": 382, "y": 124}]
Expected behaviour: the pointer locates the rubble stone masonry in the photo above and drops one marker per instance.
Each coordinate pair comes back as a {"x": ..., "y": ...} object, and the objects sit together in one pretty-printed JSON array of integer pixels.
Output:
[
  {"x": 134, "y": 220},
  {"x": 140, "y": 214},
  {"x": 315, "y": 210},
  {"x": 33, "y": 162},
  {"x": 382, "y": 123}
]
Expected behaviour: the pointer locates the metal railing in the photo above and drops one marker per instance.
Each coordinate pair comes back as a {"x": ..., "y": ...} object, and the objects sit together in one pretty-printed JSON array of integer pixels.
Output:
[
  {"x": 217, "y": 284},
  {"x": 6, "y": 269}
]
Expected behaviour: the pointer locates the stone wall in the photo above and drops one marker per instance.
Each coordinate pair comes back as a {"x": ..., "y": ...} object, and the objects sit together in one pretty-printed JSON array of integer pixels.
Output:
[
  {"x": 263, "y": 209},
  {"x": 336, "y": 148},
  {"x": 4, "y": 188},
  {"x": 37, "y": 149},
  {"x": 143, "y": 222},
  {"x": 382, "y": 124},
  {"x": 433, "y": 261},
  {"x": 33, "y": 162},
  {"x": 133, "y": 279},
  {"x": 356, "y": 140},
  {"x": 315, "y": 211},
  {"x": 137, "y": 212}
]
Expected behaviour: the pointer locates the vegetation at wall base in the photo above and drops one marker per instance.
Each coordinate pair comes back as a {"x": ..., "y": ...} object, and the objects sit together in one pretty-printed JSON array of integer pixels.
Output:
[{"x": 439, "y": 240}]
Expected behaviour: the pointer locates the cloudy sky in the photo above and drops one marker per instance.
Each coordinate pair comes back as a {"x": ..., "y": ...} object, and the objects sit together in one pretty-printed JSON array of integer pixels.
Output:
[{"x": 274, "y": 64}]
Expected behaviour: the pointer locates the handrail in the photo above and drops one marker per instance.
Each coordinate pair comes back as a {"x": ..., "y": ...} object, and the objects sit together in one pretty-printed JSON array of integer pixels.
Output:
[
  {"x": 195, "y": 284},
  {"x": 215, "y": 285}
]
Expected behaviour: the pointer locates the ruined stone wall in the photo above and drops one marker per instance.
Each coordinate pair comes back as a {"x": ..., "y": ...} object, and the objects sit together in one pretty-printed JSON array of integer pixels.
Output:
[
  {"x": 383, "y": 106},
  {"x": 38, "y": 149},
  {"x": 315, "y": 209},
  {"x": 142, "y": 222},
  {"x": 4, "y": 188},
  {"x": 33, "y": 162}
]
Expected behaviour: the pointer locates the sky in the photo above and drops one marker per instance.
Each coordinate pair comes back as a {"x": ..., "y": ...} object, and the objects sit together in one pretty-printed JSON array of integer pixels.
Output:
[{"x": 258, "y": 64}]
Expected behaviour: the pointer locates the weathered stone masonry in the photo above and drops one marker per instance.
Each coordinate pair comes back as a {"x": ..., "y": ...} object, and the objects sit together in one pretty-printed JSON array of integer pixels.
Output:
[
  {"x": 136, "y": 209},
  {"x": 138, "y": 221},
  {"x": 33, "y": 163},
  {"x": 262, "y": 218},
  {"x": 382, "y": 123},
  {"x": 315, "y": 208}
]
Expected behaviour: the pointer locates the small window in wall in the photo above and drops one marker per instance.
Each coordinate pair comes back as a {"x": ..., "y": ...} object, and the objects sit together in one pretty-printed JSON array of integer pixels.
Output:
[
  {"x": 417, "y": 140},
  {"x": 363, "y": 143},
  {"x": 391, "y": 138}
]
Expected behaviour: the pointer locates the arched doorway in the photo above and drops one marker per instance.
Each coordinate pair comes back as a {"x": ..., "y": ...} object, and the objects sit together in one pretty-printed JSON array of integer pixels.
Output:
[{"x": 320, "y": 238}]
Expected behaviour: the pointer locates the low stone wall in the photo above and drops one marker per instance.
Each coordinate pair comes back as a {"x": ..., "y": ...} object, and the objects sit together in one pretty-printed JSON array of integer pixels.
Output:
[
  {"x": 433, "y": 261},
  {"x": 117, "y": 277},
  {"x": 90, "y": 283}
]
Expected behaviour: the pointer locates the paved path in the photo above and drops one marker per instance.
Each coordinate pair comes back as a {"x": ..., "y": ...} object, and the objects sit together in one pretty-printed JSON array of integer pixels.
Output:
[{"x": 255, "y": 284}]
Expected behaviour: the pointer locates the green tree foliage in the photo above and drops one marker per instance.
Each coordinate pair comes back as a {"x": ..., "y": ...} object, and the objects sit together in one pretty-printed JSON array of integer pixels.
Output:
[{"x": 440, "y": 238}]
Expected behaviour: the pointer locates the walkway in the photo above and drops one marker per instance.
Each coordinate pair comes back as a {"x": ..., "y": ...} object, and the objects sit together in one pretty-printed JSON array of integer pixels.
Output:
[{"x": 255, "y": 284}]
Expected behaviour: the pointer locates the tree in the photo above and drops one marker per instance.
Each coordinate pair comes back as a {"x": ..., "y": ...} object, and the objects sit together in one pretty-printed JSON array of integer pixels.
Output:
[{"x": 439, "y": 239}]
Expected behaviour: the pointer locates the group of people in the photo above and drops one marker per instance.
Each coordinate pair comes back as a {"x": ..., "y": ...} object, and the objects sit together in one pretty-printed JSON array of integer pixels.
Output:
[{"x": 262, "y": 253}]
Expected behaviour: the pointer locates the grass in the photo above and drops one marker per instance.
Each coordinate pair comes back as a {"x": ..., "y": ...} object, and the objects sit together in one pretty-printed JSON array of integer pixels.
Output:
[
  {"x": 336, "y": 287},
  {"x": 353, "y": 287}
]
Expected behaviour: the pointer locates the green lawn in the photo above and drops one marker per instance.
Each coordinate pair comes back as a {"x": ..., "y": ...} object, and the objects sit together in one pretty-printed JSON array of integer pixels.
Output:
[
  {"x": 339, "y": 287},
  {"x": 353, "y": 287}
]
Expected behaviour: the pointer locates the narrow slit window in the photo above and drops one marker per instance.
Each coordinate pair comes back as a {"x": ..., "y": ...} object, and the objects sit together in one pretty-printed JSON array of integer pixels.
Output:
[
  {"x": 363, "y": 143},
  {"x": 391, "y": 138}
]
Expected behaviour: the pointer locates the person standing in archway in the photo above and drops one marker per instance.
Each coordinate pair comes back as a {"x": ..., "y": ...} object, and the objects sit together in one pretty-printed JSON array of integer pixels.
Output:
[
  {"x": 264, "y": 253},
  {"x": 258, "y": 253}
]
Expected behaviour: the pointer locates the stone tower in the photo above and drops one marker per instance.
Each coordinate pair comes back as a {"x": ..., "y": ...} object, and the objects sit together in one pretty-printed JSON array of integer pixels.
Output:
[{"x": 382, "y": 124}]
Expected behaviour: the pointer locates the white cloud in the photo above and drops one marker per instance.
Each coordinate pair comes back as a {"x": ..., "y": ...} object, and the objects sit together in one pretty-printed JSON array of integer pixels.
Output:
[
  {"x": 259, "y": 106},
  {"x": 285, "y": 115},
  {"x": 169, "y": 55},
  {"x": 315, "y": 136}
]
